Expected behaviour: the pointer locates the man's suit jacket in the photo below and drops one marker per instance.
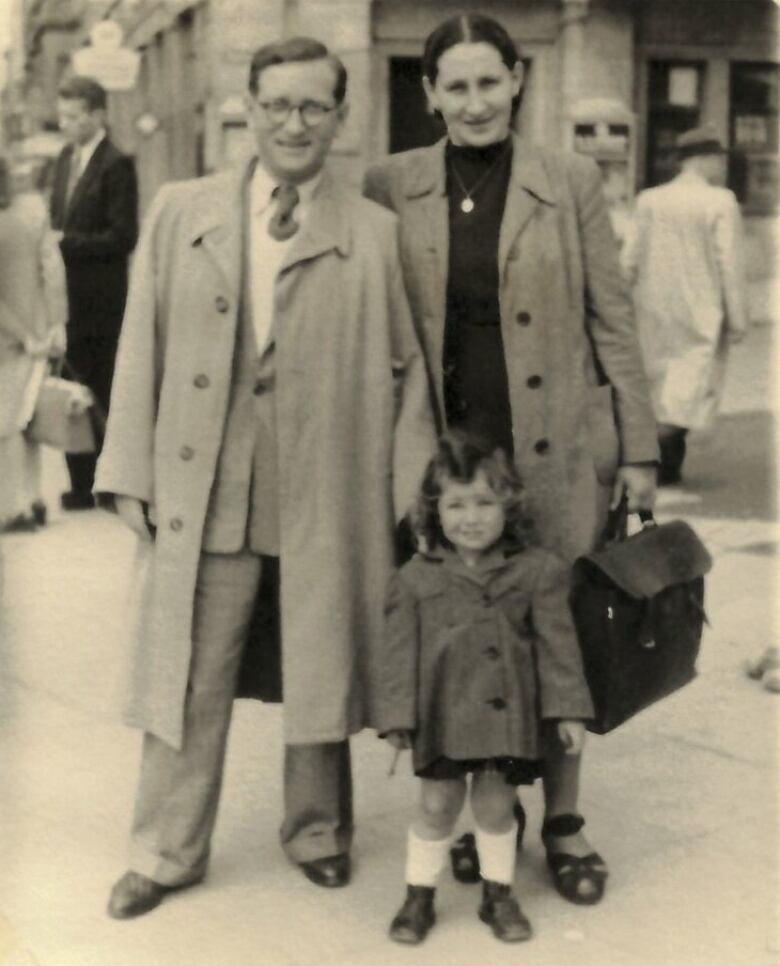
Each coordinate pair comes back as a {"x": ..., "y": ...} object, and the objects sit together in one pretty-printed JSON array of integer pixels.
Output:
[{"x": 100, "y": 225}]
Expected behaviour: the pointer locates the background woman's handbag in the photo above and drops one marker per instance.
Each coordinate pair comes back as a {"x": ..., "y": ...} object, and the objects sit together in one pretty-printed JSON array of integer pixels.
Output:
[
  {"x": 638, "y": 605},
  {"x": 63, "y": 416}
]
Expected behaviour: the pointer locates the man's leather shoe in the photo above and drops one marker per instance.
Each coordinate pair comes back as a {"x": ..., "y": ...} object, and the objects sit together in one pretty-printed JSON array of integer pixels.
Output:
[
  {"x": 77, "y": 501},
  {"x": 134, "y": 894},
  {"x": 331, "y": 872}
]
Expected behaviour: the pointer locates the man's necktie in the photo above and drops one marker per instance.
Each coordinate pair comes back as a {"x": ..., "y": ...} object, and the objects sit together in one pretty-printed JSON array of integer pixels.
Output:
[
  {"x": 283, "y": 225},
  {"x": 74, "y": 173}
]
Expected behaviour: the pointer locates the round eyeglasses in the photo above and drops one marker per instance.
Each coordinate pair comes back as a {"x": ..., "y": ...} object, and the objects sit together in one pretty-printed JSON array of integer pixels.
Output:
[{"x": 312, "y": 113}]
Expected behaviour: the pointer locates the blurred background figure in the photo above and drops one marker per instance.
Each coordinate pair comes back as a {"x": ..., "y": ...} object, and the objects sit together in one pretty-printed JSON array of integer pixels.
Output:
[
  {"x": 32, "y": 330},
  {"x": 684, "y": 258},
  {"x": 94, "y": 207}
]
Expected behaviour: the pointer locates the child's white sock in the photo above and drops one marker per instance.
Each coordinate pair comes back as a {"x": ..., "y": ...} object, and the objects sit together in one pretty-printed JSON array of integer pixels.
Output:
[
  {"x": 425, "y": 859},
  {"x": 497, "y": 854}
]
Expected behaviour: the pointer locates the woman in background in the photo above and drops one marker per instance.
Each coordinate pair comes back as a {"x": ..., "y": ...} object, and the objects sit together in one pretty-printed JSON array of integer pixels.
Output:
[{"x": 33, "y": 310}]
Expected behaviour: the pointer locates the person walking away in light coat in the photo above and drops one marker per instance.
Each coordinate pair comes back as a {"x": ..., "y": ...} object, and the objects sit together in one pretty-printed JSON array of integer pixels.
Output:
[
  {"x": 270, "y": 408},
  {"x": 684, "y": 258},
  {"x": 33, "y": 310}
]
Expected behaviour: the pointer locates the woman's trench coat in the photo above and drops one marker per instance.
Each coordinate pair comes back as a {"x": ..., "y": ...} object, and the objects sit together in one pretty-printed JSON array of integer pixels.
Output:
[
  {"x": 578, "y": 391},
  {"x": 355, "y": 430}
]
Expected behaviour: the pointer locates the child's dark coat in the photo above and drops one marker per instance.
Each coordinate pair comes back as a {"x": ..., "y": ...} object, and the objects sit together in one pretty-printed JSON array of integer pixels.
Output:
[{"x": 474, "y": 657}]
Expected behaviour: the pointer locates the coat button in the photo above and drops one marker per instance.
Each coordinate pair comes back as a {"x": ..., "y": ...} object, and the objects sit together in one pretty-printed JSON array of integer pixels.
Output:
[
  {"x": 524, "y": 318},
  {"x": 221, "y": 303},
  {"x": 498, "y": 703},
  {"x": 486, "y": 599},
  {"x": 260, "y": 388},
  {"x": 533, "y": 382},
  {"x": 541, "y": 446},
  {"x": 176, "y": 524},
  {"x": 186, "y": 452},
  {"x": 201, "y": 381},
  {"x": 492, "y": 653}
]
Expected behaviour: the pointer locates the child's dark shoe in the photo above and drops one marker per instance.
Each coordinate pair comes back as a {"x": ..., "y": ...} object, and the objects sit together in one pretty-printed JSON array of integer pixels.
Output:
[
  {"x": 415, "y": 918},
  {"x": 501, "y": 911}
]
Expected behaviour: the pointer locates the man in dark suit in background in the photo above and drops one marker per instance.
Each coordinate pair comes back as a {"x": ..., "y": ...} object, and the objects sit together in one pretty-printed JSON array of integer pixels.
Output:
[{"x": 94, "y": 207}]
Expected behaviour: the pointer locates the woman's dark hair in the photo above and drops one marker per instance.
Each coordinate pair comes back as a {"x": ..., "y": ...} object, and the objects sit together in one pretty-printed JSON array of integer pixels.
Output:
[
  {"x": 294, "y": 51},
  {"x": 458, "y": 459},
  {"x": 6, "y": 192},
  {"x": 469, "y": 28}
]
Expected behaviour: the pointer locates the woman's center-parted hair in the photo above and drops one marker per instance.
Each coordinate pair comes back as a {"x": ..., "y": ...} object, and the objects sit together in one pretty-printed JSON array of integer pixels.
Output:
[
  {"x": 459, "y": 458},
  {"x": 468, "y": 28}
]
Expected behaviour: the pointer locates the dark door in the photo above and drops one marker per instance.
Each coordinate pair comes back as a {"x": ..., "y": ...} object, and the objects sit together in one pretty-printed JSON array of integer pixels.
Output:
[{"x": 411, "y": 125}]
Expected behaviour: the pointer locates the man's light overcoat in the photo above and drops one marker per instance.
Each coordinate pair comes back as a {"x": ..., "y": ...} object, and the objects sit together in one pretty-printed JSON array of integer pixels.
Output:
[
  {"x": 684, "y": 255},
  {"x": 566, "y": 321},
  {"x": 354, "y": 433}
]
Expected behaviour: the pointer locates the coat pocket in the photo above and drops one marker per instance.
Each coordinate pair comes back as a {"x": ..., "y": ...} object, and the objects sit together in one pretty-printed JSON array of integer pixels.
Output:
[{"x": 602, "y": 433}]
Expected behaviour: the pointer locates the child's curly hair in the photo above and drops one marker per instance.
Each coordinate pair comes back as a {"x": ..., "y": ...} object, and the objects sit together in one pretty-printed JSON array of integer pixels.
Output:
[{"x": 459, "y": 457}]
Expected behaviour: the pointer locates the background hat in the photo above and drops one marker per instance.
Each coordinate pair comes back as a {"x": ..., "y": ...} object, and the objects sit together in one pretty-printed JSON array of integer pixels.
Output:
[{"x": 699, "y": 140}]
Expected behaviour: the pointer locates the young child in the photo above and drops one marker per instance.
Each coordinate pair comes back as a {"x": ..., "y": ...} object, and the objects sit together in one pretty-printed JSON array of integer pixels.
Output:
[{"x": 480, "y": 645}]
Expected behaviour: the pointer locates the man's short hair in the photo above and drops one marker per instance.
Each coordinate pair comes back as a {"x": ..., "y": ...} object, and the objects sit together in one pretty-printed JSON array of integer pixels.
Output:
[
  {"x": 292, "y": 51},
  {"x": 84, "y": 89}
]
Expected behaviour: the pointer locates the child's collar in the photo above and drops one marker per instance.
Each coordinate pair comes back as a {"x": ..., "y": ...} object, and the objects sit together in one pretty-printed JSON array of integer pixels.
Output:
[{"x": 493, "y": 559}]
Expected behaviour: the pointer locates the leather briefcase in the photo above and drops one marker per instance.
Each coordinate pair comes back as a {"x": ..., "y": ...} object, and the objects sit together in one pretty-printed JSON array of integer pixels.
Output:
[{"x": 638, "y": 605}]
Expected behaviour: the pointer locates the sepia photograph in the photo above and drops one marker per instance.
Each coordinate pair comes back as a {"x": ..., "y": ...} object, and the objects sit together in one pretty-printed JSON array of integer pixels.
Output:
[{"x": 388, "y": 482}]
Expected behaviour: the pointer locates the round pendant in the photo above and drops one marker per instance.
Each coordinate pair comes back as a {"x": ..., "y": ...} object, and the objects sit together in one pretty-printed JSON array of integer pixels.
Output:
[{"x": 467, "y": 206}]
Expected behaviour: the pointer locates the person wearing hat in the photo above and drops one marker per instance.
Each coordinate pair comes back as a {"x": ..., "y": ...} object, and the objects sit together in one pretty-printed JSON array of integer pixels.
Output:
[{"x": 684, "y": 258}]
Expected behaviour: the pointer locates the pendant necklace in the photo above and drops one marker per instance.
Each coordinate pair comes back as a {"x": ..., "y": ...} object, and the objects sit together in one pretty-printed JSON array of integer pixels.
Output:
[{"x": 467, "y": 204}]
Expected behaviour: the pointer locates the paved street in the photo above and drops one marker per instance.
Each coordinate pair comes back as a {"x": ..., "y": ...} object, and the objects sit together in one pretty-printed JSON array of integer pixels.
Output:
[{"x": 682, "y": 801}]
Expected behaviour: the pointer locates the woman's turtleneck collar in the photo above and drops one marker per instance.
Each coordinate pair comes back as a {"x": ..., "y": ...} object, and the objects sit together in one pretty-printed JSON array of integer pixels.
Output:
[{"x": 478, "y": 155}]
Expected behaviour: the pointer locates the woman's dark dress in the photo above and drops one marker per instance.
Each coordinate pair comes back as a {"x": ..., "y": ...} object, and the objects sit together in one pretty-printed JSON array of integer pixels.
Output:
[{"x": 476, "y": 391}]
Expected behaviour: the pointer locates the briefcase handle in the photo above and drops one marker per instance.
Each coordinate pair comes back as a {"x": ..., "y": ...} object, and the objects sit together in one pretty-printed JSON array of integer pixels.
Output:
[{"x": 616, "y": 527}]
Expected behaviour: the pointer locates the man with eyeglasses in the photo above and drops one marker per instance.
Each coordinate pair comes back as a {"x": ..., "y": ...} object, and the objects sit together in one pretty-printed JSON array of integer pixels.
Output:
[{"x": 270, "y": 414}]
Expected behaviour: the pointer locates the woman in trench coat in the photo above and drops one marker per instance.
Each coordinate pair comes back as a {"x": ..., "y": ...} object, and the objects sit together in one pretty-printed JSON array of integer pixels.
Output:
[
  {"x": 32, "y": 327},
  {"x": 512, "y": 274}
]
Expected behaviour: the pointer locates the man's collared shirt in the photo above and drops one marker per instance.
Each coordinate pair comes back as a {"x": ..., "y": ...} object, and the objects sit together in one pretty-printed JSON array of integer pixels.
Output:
[
  {"x": 267, "y": 253},
  {"x": 84, "y": 152}
]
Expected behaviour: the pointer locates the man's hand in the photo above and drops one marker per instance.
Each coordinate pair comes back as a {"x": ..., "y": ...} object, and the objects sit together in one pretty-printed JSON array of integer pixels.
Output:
[
  {"x": 572, "y": 736},
  {"x": 638, "y": 481},
  {"x": 399, "y": 738},
  {"x": 131, "y": 513}
]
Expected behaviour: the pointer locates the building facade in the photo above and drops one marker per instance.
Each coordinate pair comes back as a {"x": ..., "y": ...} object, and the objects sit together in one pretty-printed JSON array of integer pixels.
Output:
[{"x": 618, "y": 79}]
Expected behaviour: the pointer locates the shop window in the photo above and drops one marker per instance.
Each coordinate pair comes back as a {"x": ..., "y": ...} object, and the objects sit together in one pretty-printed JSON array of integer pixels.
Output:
[
  {"x": 674, "y": 105},
  {"x": 411, "y": 124},
  {"x": 754, "y": 135}
]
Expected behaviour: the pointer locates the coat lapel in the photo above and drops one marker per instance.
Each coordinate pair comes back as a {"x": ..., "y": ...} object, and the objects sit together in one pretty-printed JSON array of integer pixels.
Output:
[
  {"x": 217, "y": 225},
  {"x": 426, "y": 218},
  {"x": 529, "y": 187},
  {"x": 326, "y": 226},
  {"x": 88, "y": 175}
]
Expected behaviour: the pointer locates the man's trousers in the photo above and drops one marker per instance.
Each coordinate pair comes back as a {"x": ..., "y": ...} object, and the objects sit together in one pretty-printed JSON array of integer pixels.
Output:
[{"x": 178, "y": 791}]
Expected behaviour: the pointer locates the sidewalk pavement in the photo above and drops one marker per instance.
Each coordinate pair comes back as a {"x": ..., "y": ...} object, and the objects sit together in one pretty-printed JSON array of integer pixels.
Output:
[{"x": 681, "y": 800}]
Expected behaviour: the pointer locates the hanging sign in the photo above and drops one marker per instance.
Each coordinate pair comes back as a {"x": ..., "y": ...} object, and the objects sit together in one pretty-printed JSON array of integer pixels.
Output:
[{"x": 111, "y": 64}]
